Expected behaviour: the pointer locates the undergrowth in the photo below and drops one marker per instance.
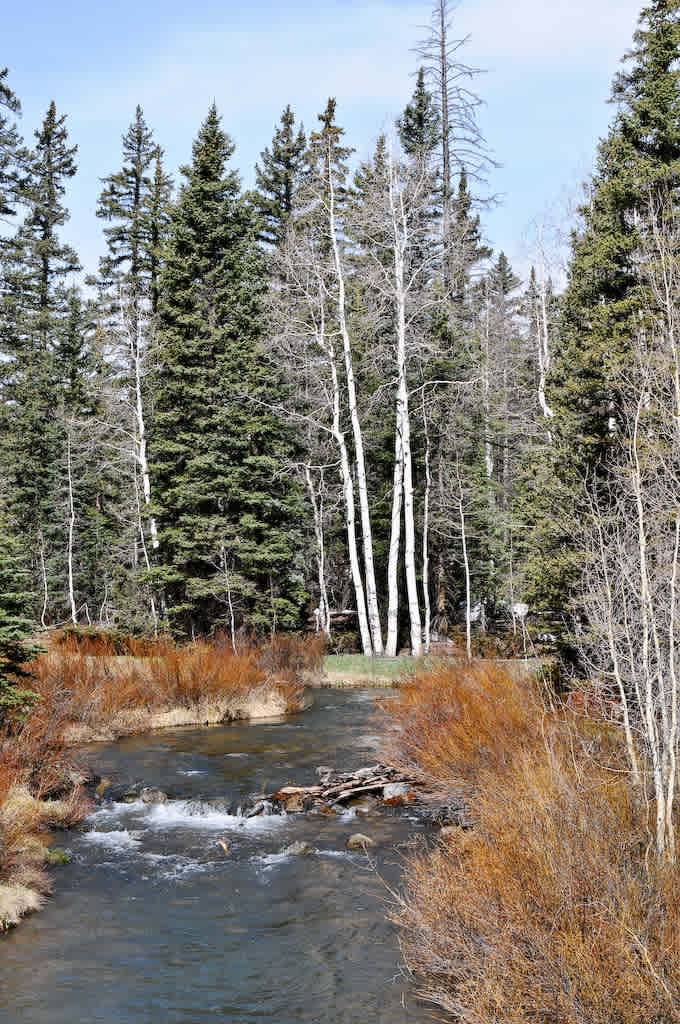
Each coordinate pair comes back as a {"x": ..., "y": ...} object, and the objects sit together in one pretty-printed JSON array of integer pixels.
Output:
[{"x": 553, "y": 907}]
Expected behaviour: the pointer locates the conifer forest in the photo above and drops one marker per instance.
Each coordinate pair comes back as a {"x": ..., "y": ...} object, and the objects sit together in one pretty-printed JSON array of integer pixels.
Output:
[
  {"x": 324, "y": 415},
  {"x": 330, "y": 392}
]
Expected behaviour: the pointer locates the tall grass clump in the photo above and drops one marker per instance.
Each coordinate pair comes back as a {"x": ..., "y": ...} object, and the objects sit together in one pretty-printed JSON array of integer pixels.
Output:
[
  {"x": 95, "y": 685},
  {"x": 553, "y": 908},
  {"x": 86, "y": 681}
]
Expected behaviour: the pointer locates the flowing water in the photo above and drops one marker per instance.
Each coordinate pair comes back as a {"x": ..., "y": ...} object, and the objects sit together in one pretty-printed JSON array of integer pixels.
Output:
[{"x": 152, "y": 923}]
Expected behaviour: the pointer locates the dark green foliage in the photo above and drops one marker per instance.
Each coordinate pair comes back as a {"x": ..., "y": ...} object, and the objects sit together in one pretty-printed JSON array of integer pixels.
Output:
[
  {"x": 465, "y": 247},
  {"x": 46, "y": 261},
  {"x": 327, "y": 156},
  {"x": 226, "y": 508},
  {"x": 15, "y": 624},
  {"x": 135, "y": 200},
  {"x": 279, "y": 178},
  {"x": 638, "y": 162},
  {"x": 12, "y": 154},
  {"x": 604, "y": 303},
  {"x": 419, "y": 126},
  {"x": 35, "y": 310}
]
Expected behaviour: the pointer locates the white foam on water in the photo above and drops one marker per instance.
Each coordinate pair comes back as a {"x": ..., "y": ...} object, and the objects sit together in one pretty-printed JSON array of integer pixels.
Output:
[
  {"x": 236, "y": 755},
  {"x": 191, "y": 771},
  {"x": 198, "y": 815},
  {"x": 119, "y": 840},
  {"x": 116, "y": 809},
  {"x": 177, "y": 866}
]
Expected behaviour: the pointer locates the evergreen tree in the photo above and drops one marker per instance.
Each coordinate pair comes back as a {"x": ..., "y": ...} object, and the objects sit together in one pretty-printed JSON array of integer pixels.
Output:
[
  {"x": 227, "y": 513},
  {"x": 35, "y": 307},
  {"x": 419, "y": 126},
  {"x": 11, "y": 150},
  {"x": 467, "y": 250},
  {"x": 15, "y": 624},
  {"x": 638, "y": 166},
  {"x": 135, "y": 201},
  {"x": 328, "y": 157},
  {"x": 279, "y": 178},
  {"x": 638, "y": 163}
]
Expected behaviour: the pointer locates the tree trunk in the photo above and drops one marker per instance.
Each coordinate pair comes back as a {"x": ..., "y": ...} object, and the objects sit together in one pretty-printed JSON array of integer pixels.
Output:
[
  {"x": 371, "y": 589},
  {"x": 71, "y": 527}
]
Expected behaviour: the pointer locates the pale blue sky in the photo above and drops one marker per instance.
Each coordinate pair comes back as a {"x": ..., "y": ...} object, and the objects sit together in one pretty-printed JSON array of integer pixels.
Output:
[{"x": 549, "y": 68}]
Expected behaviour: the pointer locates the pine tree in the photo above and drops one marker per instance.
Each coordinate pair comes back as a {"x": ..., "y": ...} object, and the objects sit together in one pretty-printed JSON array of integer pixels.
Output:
[
  {"x": 419, "y": 126},
  {"x": 12, "y": 154},
  {"x": 279, "y": 178},
  {"x": 36, "y": 267},
  {"x": 226, "y": 511},
  {"x": 15, "y": 625},
  {"x": 638, "y": 166}
]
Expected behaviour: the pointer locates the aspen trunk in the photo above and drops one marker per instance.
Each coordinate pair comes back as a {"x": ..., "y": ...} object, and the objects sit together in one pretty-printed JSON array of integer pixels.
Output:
[
  {"x": 426, "y": 535},
  {"x": 348, "y": 494},
  {"x": 317, "y": 511},
  {"x": 466, "y": 565},
  {"x": 395, "y": 542},
  {"x": 71, "y": 528},
  {"x": 400, "y": 229},
  {"x": 362, "y": 488}
]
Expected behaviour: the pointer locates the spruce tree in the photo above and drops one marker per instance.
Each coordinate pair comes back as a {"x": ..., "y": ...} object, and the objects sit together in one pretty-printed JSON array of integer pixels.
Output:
[
  {"x": 279, "y": 178},
  {"x": 638, "y": 167},
  {"x": 12, "y": 154},
  {"x": 15, "y": 624},
  {"x": 638, "y": 163},
  {"x": 135, "y": 201},
  {"x": 36, "y": 267},
  {"x": 227, "y": 514},
  {"x": 419, "y": 126}
]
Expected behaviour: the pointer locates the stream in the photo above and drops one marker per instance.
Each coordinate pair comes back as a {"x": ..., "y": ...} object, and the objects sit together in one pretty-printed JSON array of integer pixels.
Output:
[{"x": 152, "y": 923}]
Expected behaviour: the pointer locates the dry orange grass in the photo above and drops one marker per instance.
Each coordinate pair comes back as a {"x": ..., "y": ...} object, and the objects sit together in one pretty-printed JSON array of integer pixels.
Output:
[
  {"x": 553, "y": 908},
  {"x": 106, "y": 683},
  {"x": 85, "y": 681}
]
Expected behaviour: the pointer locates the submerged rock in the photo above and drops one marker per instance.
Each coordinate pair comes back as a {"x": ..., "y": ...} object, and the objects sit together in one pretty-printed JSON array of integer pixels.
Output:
[
  {"x": 360, "y": 842},
  {"x": 225, "y": 845}
]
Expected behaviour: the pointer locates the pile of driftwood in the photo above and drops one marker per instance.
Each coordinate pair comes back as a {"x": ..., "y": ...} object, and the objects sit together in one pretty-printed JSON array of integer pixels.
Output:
[{"x": 337, "y": 789}]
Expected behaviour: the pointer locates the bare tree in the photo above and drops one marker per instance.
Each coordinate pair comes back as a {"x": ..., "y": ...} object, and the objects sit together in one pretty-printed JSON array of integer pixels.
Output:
[{"x": 631, "y": 586}]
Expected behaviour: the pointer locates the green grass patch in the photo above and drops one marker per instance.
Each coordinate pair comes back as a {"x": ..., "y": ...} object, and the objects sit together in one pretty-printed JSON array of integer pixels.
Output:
[{"x": 380, "y": 668}]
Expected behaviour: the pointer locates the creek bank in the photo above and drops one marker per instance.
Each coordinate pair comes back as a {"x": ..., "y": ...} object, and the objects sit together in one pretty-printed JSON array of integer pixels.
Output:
[
  {"x": 263, "y": 702},
  {"x": 27, "y": 822}
]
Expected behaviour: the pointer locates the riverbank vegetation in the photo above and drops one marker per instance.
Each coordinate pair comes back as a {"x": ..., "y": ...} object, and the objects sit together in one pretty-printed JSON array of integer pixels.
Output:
[
  {"x": 555, "y": 905},
  {"x": 83, "y": 688},
  {"x": 327, "y": 404}
]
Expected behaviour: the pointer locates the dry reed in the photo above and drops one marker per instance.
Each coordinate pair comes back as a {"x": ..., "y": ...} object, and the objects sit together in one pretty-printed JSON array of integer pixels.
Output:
[
  {"x": 552, "y": 908},
  {"x": 96, "y": 685}
]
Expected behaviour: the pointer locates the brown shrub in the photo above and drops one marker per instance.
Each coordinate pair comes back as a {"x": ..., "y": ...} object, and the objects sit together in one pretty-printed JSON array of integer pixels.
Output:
[
  {"x": 553, "y": 908},
  {"x": 83, "y": 679}
]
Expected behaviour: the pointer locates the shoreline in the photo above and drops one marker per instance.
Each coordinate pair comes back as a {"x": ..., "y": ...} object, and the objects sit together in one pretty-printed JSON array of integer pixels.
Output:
[{"x": 28, "y": 886}]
